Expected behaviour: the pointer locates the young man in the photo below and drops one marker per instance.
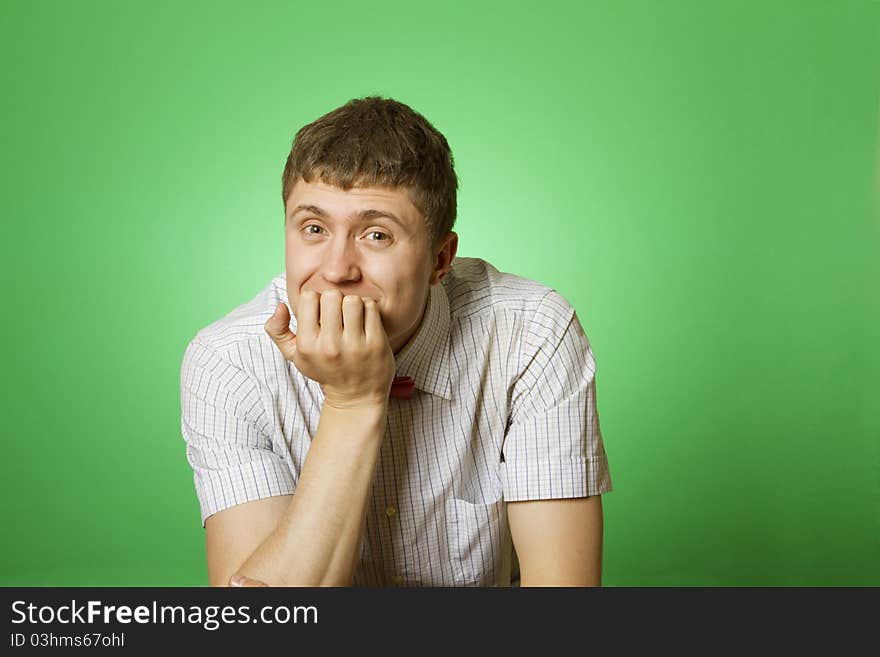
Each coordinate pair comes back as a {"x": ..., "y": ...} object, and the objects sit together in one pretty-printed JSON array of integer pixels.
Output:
[{"x": 385, "y": 414}]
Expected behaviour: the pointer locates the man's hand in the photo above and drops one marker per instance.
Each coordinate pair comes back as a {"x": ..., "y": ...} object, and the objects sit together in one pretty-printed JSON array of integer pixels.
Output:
[
  {"x": 241, "y": 580},
  {"x": 341, "y": 344}
]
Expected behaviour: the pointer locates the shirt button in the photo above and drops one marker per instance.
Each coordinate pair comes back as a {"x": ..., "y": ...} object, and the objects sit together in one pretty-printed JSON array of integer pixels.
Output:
[
  {"x": 390, "y": 511},
  {"x": 399, "y": 579}
]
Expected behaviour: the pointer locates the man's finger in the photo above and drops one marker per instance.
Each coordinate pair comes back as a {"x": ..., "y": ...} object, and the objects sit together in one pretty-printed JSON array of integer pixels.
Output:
[
  {"x": 278, "y": 328},
  {"x": 353, "y": 317},
  {"x": 241, "y": 580},
  {"x": 331, "y": 312},
  {"x": 373, "y": 327},
  {"x": 307, "y": 309}
]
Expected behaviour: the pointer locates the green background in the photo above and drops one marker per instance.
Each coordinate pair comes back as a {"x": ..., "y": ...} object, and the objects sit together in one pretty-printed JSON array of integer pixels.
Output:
[{"x": 700, "y": 180}]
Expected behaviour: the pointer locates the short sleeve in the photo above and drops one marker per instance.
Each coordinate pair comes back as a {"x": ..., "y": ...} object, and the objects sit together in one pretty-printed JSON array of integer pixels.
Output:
[
  {"x": 225, "y": 428},
  {"x": 553, "y": 445}
]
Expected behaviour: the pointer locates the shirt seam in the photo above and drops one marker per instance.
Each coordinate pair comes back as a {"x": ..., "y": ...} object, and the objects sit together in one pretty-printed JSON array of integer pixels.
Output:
[{"x": 247, "y": 418}]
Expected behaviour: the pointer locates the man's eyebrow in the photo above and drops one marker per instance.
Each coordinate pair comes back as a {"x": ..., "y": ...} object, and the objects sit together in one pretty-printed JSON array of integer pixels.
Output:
[{"x": 363, "y": 215}]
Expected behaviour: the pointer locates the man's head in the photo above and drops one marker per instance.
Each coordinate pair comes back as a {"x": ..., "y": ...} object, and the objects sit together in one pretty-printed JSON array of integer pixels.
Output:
[{"x": 348, "y": 177}]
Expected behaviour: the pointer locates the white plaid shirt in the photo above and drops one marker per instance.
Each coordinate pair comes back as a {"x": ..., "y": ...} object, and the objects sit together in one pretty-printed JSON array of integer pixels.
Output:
[{"x": 504, "y": 410}]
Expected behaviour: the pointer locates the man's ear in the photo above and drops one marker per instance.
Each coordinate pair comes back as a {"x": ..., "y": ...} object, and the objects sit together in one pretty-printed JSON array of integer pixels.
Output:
[{"x": 444, "y": 255}]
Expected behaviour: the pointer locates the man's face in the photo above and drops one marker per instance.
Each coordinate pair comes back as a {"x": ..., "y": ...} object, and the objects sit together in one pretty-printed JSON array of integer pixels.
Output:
[{"x": 343, "y": 240}]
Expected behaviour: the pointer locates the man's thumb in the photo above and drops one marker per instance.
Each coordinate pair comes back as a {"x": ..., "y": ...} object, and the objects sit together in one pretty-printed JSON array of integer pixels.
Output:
[{"x": 278, "y": 328}]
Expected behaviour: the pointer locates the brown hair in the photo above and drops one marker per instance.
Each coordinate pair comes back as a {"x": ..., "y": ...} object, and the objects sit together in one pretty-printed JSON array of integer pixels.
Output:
[{"x": 378, "y": 142}]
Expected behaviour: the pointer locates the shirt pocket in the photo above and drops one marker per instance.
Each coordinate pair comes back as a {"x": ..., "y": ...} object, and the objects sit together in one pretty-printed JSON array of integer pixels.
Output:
[{"x": 478, "y": 538}]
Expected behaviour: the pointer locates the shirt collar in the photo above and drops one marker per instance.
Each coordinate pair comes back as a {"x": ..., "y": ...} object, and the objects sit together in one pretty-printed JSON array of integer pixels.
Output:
[{"x": 426, "y": 356}]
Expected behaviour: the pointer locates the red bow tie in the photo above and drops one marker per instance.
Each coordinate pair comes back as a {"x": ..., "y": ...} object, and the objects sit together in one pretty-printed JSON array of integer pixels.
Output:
[{"x": 402, "y": 387}]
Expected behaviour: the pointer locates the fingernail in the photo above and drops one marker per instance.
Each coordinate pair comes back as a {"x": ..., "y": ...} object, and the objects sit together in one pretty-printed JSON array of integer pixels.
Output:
[{"x": 237, "y": 580}]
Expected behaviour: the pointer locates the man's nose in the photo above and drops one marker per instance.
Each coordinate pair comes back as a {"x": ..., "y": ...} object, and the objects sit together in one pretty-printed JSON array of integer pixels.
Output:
[{"x": 341, "y": 261}]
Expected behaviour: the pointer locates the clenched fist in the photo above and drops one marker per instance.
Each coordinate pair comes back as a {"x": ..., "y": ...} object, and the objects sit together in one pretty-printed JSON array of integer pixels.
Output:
[{"x": 340, "y": 343}]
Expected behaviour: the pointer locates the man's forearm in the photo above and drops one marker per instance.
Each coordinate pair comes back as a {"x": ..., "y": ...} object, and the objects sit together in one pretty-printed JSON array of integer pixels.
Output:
[{"x": 316, "y": 542}]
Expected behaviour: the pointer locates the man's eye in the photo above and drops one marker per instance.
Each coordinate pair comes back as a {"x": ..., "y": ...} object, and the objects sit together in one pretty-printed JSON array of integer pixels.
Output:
[{"x": 385, "y": 237}]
